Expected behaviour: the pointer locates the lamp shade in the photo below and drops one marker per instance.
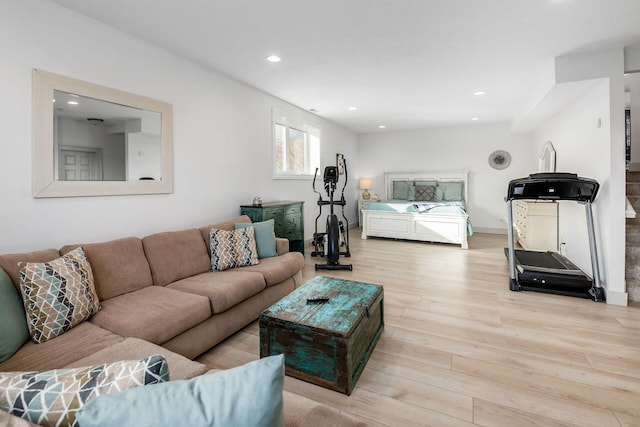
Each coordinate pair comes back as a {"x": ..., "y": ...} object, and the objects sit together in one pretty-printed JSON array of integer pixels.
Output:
[{"x": 365, "y": 184}]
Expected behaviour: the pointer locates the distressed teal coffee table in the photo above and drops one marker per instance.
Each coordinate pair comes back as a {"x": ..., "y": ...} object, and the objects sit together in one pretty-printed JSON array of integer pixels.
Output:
[{"x": 325, "y": 343}]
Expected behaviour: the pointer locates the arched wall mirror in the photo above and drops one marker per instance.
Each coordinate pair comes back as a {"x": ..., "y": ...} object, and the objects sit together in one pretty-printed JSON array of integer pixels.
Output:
[
  {"x": 91, "y": 140},
  {"x": 547, "y": 160}
]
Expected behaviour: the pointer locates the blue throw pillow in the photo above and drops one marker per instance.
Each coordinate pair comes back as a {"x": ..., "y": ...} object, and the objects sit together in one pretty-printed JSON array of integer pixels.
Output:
[
  {"x": 14, "y": 331},
  {"x": 265, "y": 236},
  {"x": 249, "y": 395}
]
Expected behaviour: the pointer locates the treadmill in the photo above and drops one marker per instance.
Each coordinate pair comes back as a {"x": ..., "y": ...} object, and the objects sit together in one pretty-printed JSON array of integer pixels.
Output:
[{"x": 552, "y": 272}]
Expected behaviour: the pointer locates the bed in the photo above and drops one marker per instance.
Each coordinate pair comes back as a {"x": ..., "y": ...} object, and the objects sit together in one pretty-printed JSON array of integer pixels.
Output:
[{"x": 424, "y": 206}]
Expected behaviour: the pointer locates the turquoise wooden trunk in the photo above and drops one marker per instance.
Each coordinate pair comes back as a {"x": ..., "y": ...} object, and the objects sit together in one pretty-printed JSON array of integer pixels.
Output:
[{"x": 327, "y": 343}]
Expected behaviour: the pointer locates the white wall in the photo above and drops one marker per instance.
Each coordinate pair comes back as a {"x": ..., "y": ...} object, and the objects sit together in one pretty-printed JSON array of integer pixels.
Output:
[
  {"x": 590, "y": 138},
  {"x": 580, "y": 134},
  {"x": 222, "y": 134},
  {"x": 458, "y": 148}
]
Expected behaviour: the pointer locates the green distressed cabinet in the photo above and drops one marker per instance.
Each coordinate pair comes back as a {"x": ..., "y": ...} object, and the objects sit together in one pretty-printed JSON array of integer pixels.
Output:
[
  {"x": 326, "y": 343},
  {"x": 288, "y": 220}
]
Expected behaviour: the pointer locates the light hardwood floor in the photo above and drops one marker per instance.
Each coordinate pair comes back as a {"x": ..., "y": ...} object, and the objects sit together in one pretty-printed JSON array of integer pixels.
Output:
[{"x": 460, "y": 349}]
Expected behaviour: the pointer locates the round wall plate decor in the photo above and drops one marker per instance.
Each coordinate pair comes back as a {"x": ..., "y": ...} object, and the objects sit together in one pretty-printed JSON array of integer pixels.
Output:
[{"x": 500, "y": 159}]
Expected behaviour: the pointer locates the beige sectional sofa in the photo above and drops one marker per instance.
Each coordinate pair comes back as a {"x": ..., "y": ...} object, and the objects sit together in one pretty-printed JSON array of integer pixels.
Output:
[{"x": 158, "y": 295}]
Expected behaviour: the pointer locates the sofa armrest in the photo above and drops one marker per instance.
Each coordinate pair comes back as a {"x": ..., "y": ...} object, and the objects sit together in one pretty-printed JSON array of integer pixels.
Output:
[{"x": 282, "y": 245}]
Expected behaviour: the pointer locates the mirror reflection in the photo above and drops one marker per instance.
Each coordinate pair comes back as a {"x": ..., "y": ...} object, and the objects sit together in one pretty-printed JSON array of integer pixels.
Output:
[{"x": 96, "y": 140}]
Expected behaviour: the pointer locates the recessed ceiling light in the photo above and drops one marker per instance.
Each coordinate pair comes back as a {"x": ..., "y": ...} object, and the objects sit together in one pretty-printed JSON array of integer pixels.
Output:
[
  {"x": 479, "y": 93},
  {"x": 475, "y": 119},
  {"x": 273, "y": 58},
  {"x": 382, "y": 127},
  {"x": 352, "y": 108},
  {"x": 72, "y": 102}
]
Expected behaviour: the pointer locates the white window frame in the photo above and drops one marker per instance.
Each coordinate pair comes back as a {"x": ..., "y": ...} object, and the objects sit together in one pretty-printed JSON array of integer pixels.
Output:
[{"x": 312, "y": 149}]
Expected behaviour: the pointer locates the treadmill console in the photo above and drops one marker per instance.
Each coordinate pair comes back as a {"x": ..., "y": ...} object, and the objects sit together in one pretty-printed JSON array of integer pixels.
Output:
[{"x": 553, "y": 186}]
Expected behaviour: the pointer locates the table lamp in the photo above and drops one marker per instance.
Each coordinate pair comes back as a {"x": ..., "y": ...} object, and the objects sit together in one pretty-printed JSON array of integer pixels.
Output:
[{"x": 365, "y": 184}]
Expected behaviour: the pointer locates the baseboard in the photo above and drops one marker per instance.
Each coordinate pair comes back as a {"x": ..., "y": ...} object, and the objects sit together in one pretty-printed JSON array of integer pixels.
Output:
[
  {"x": 616, "y": 297},
  {"x": 490, "y": 230}
]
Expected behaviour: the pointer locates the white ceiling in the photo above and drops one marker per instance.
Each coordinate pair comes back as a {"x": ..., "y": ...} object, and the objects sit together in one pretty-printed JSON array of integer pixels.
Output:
[{"x": 407, "y": 64}]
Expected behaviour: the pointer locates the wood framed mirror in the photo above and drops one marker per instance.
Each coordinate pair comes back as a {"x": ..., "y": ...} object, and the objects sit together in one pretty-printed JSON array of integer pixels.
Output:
[{"x": 91, "y": 140}]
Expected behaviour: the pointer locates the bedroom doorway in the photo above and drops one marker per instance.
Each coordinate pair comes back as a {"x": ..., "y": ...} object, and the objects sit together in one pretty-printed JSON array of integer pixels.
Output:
[{"x": 79, "y": 164}]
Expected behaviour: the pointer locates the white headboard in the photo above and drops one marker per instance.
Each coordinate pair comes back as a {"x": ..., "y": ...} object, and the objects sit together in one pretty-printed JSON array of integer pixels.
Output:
[{"x": 440, "y": 176}]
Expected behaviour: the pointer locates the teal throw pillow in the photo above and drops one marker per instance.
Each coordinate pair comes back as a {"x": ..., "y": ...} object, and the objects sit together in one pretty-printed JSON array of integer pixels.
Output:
[
  {"x": 249, "y": 395},
  {"x": 402, "y": 190},
  {"x": 14, "y": 331},
  {"x": 265, "y": 236},
  {"x": 448, "y": 192}
]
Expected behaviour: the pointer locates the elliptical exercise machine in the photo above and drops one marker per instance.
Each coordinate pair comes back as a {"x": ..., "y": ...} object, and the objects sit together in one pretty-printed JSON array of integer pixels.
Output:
[{"x": 334, "y": 227}]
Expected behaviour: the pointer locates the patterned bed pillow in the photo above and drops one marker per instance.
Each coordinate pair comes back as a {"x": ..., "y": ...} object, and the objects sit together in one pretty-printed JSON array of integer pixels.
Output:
[
  {"x": 58, "y": 294},
  {"x": 235, "y": 248},
  {"x": 52, "y": 398},
  {"x": 425, "y": 193}
]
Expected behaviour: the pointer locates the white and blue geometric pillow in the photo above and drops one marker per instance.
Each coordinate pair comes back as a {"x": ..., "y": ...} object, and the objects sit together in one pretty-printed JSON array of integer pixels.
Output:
[
  {"x": 235, "y": 248},
  {"x": 52, "y": 398},
  {"x": 58, "y": 294}
]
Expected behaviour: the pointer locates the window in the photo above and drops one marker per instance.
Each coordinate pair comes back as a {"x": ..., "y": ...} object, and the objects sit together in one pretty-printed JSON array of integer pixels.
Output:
[{"x": 296, "y": 147}]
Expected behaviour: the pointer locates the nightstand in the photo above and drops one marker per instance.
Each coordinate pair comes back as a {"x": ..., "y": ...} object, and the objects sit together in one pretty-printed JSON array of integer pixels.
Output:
[{"x": 288, "y": 220}]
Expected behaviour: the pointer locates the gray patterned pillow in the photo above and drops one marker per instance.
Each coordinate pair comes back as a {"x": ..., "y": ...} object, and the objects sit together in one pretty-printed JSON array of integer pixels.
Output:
[
  {"x": 425, "y": 193},
  {"x": 52, "y": 398},
  {"x": 235, "y": 248},
  {"x": 58, "y": 294}
]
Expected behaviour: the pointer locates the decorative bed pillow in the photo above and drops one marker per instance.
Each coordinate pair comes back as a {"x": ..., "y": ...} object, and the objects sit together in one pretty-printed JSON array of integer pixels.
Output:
[
  {"x": 235, "y": 248},
  {"x": 425, "y": 193},
  {"x": 58, "y": 294},
  {"x": 448, "y": 192},
  {"x": 249, "y": 396},
  {"x": 265, "y": 236},
  {"x": 402, "y": 190},
  {"x": 13, "y": 322},
  {"x": 52, "y": 398}
]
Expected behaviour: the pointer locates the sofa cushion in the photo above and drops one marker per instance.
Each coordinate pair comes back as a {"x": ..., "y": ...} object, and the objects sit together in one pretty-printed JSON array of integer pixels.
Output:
[
  {"x": 57, "y": 294},
  {"x": 249, "y": 395},
  {"x": 180, "y": 368},
  {"x": 52, "y": 398},
  {"x": 81, "y": 341},
  {"x": 224, "y": 289},
  {"x": 119, "y": 266},
  {"x": 175, "y": 255},
  {"x": 13, "y": 320},
  {"x": 277, "y": 269},
  {"x": 265, "y": 237},
  {"x": 9, "y": 262},
  {"x": 154, "y": 313},
  {"x": 8, "y": 420},
  {"x": 235, "y": 248},
  {"x": 224, "y": 225}
]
